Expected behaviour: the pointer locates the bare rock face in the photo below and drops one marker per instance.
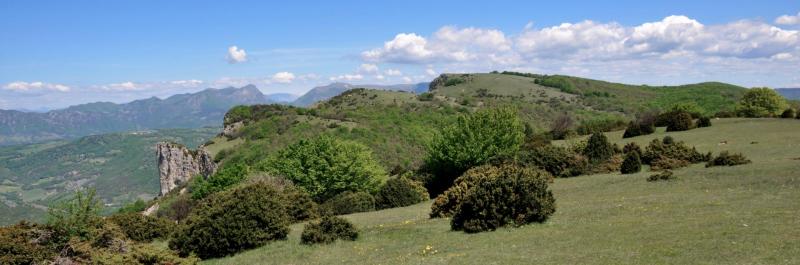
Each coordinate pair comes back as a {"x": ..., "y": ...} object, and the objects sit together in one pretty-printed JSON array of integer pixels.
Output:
[{"x": 178, "y": 164}]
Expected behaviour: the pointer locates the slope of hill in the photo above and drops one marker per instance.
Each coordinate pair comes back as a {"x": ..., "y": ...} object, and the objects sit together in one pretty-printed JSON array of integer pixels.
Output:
[
  {"x": 321, "y": 93},
  {"x": 122, "y": 167},
  {"x": 205, "y": 108},
  {"x": 790, "y": 93},
  {"x": 722, "y": 215},
  {"x": 398, "y": 125}
]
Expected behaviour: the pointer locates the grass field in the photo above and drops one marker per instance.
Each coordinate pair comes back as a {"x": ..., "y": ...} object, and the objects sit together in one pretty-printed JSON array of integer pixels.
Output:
[{"x": 746, "y": 214}]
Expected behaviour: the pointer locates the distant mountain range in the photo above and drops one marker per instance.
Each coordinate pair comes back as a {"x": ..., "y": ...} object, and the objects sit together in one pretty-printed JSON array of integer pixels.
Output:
[
  {"x": 790, "y": 93},
  {"x": 192, "y": 110}
]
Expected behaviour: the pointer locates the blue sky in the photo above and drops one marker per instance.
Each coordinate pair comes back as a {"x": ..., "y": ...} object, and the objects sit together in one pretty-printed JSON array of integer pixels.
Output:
[{"x": 59, "y": 53}]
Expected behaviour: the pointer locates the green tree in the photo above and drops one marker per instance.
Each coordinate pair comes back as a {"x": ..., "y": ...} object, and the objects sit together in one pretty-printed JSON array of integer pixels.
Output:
[
  {"x": 326, "y": 166},
  {"x": 761, "y": 102},
  {"x": 472, "y": 141},
  {"x": 226, "y": 177},
  {"x": 77, "y": 216},
  {"x": 598, "y": 149}
]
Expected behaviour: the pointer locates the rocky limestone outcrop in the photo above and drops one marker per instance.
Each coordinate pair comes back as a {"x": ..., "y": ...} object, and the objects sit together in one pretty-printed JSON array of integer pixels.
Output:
[
  {"x": 178, "y": 164},
  {"x": 231, "y": 129}
]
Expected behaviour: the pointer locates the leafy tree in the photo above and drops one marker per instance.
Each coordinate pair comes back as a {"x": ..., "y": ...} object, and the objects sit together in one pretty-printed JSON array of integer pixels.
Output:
[
  {"x": 472, "y": 141},
  {"x": 598, "y": 149},
  {"x": 137, "y": 206},
  {"x": 761, "y": 102},
  {"x": 226, "y": 177},
  {"x": 77, "y": 216},
  {"x": 326, "y": 166}
]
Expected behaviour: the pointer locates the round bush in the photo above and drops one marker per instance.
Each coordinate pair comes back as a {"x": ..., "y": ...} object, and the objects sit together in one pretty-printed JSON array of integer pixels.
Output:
[
  {"x": 142, "y": 228},
  {"x": 326, "y": 166},
  {"x": 231, "y": 221},
  {"x": 788, "y": 114},
  {"x": 679, "y": 121},
  {"x": 727, "y": 159},
  {"x": 350, "y": 202},
  {"x": 519, "y": 196},
  {"x": 703, "y": 122},
  {"x": 664, "y": 175},
  {"x": 598, "y": 148},
  {"x": 558, "y": 161},
  {"x": 631, "y": 164},
  {"x": 300, "y": 205},
  {"x": 399, "y": 192},
  {"x": 472, "y": 141},
  {"x": 327, "y": 230}
]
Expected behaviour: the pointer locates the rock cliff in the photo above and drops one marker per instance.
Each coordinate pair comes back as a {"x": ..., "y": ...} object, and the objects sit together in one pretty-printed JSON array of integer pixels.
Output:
[{"x": 178, "y": 164}]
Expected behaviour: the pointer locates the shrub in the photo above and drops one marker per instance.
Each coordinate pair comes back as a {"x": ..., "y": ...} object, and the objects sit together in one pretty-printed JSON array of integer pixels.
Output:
[
  {"x": 142, "y": 228},
  {"x": 663, "y": 175},
  {"x": 399, "y": 192},
  {"x": 178, "y": 209},
  {"x": 788, "y": 114},
  {"x": 427, "y": 96},
  {"x": 230, "y": 221},
  {"x": 447, "y": 202},
  {"x": 679, "y": 121},
  {"x": 516, "y": 197},
  {"x": 226, "y": 177},
  {"x": 664, "y": 163},
  {"x": 134, "y": 207},
  {"x": 598, "y": 148},
  {"x": 20, "y": 244},
  {"x": 726, "y": 159},
  {"x": 761, "y": 102},
  {"x": 703, "y": 122},
  {"x": 632, "y": 147},
  {"x": 350, "y": 202},
  {"x": 558, "y": 161},
  {"x": 600, "y": 125},
  {"x": 561, "y": 127},
  {"x": 631, "y": 164},
  {"x": 327, "y": 230},
  {"x": 77, "y": 216},
  {"x": 326, "y": 166},
  {"x": 669, "y": 148},
  {"x": 300, "y": 205},
  {"x": 472, "y": 141}
]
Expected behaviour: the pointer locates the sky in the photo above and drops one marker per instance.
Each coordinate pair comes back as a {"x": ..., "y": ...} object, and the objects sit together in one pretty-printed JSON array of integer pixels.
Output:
[{"x": 54, "y": 54}]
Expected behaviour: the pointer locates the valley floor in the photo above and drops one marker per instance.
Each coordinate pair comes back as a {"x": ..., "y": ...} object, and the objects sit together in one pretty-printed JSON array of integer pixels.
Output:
[{"x": 746, "y": 214}]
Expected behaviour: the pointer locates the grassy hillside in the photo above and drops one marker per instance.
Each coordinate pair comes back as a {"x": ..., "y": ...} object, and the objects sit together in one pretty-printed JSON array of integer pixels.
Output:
[
  {"x": 723, "y": 215},
  {"x": 121, "y": 166}
]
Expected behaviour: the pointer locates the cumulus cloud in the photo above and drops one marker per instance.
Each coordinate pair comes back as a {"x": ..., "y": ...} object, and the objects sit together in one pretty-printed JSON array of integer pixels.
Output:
[
  {"x": 368, "y": 68},
  {"x": 124, "y": 86},
  {"x": 236, "y": 55},
  {"x": 393, "y": 72},
  {"x": 283, "y": 77},
  {"x": 673, "y": 36},
  {"x": 788, "y": 19},
  {"x": 347, "y": 77},
  {"x": 21, "y": 86},
  {"x": 186, "y": 83}
]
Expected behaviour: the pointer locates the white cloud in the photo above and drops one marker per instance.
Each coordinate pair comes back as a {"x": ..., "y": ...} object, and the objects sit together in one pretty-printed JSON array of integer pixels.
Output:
[
  {"x": 447, "y": 44},
  {"x": 124, "y": 86},
  {"x": 393, "y": 72},
  {"x": 187, "y": 83},
  {"x": 404, "y": 47},
  {"x": 283, "y": 77},
  {"x": 21, "y": 86},
  {"x": 380, "y": 77},
  {"x": 347, "y": 77},
  {"x": 430, "y": 72},
  {"x": 368, "y": 68},
  {"x": 236, "y": 55},
  {"x": 788, "y": 19}
]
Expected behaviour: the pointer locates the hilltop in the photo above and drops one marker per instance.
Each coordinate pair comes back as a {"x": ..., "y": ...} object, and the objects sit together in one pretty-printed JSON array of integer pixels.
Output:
[{"x": 325, "y": 92}]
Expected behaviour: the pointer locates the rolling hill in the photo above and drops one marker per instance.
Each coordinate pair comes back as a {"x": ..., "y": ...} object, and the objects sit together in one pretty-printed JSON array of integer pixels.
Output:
[
  {"x": 321, "y": 93},
  {"x": 790, "y": 93},
  {"x": 204, "y": 108},
  {"x": 121, "y": 166}
]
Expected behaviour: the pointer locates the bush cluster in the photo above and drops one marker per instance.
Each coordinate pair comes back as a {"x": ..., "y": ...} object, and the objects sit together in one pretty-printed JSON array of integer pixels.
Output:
[
  {"x": 22, "y": 244},
  {"x": 727, "y": 159},
  {"x": 327, "y": 230},
  {"x": 631, "y": 164},
  {"x": 399, "y": 192},
  {"x": 142, "y": 228},
  {"x": 598, "y": 149},
  {"x": 516, "y": 197},
  {"x": 230, "y": 221},
  {"x": 350, "y": 202},
  {"x": 300, "y": 206},
  {"x": 668, "y": 148},
  {"x": 558, "y": 161},
  {"x": 637, "y": 128},
  {"x": 663, "y": 175},
  {"x": 446, "y": 203},
  {"x": 632, "y": 147},
  {"x": 703, "y": 122}
]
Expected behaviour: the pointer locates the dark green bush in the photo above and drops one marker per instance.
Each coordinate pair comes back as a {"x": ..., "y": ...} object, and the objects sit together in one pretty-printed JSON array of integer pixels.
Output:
[
  {"x": 664, "y": 163},
  {"x": 399, "y": 192},
  {"x": 598, "y": 148},
  {"x": 726, "y": 159},
  {"x": 134, "y": 207},
  {"x": 703, "y": 122},
  {"x": 663, "y": 175},
  {"x": 636, "y": 129},
  {"x": 473, "y": 140},
  {"x": 669, "y": 148},
  {"x": 631, "y": 164},
  {"x": 326, "y": 166},
  {"x": 679, "y": 121},
  {"x": 516, "y": 197},
  {"x": 558, "y": 161},
  {"x": 234, "y": 220},
  {"x": 327, "y": 230},
  {"x": 142, "y": 228},
  {"x": 350, "y": 202},
  {"x": 788, "y": 114},
  {"x": 632, "y": 147},
  {"x": 300, "y": 205}
]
